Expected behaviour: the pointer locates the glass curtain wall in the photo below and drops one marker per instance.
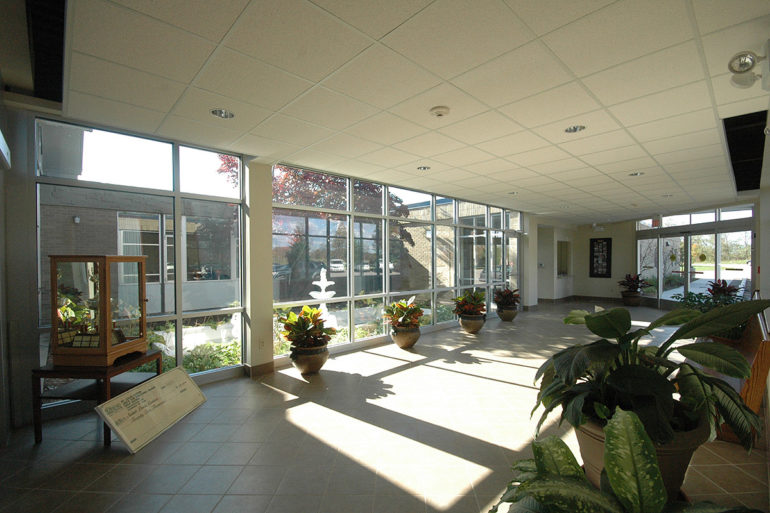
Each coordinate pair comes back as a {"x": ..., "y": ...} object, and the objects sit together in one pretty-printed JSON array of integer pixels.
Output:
[
  {"x": 389, "y": 243},
  {"x": 191, "y": 234}
]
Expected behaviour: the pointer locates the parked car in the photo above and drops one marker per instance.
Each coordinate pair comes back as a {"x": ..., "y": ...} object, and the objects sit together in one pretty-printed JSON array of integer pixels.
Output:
[
  {"x": 337, "y": 265},
  {"x": 281, "y": 272}
]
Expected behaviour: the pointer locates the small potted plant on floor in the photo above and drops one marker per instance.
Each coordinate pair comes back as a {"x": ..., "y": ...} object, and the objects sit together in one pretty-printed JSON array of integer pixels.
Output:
[
  {"x": 632, "y": 293},
  {"x": 553, "y": 481},
  {"x": 404, "y": 319},
  {"x": 680, "y": 403},
  {"x": 308, "y": 337},
  {"x": 507, "y": 302},
  {"x": 470, "y": 308}
]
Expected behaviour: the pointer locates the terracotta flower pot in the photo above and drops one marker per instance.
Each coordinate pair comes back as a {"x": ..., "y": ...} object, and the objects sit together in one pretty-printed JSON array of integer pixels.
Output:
[
  {"x": 631, "y": 297},
  {"x": 309, "y": 360},
  {"x": 507, "y": 314},
  {"x": 673, "y": 457},
  {"x": 472, "y": 323},
  {"x": 405, "y": 337}
]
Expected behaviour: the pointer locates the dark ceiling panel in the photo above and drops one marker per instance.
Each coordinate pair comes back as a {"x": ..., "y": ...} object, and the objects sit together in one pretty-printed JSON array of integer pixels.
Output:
[
  {"x": 746, "y": 143},
  {"x": 45, "y": 23}
]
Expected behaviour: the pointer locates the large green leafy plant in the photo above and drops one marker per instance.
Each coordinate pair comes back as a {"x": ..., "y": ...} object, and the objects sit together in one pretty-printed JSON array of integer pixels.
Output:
[
  {"x": 306, "y": 329},
  {"x": 554, "y": 482},
  {"x": 472, "y": 302},
  {"x": 589, "y": 381},
  {"x": 403, "y": 314}
]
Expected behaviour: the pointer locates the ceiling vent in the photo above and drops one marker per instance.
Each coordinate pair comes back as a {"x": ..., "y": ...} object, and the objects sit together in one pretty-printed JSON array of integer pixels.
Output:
[{"x": 746, "y": 143}]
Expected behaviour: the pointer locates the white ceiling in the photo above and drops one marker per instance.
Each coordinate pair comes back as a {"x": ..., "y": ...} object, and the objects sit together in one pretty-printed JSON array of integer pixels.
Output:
[{"x": 346, "y": 86}]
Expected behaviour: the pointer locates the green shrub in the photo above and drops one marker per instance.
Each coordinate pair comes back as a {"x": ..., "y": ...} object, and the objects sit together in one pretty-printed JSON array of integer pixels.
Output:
[{"x": 212, "y": 356}]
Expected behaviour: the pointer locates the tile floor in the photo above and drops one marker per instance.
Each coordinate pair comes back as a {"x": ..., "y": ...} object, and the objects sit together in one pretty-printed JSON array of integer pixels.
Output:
[{"x": 382, "y": 430}]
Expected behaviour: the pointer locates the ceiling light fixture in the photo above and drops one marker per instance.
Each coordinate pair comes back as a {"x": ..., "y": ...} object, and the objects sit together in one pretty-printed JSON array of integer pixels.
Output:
[
  {"x": 423, "y": 168},
  {"x": 636, "y": 173},
  {"x": 439, "y": 111},
  {"x": 513, "y": 193},
  {"x": 742, "y": 66},
  {"x": 574, "y": 129},
  {"x": 222, "y": 113},
  {"x": 666, "y": 195}
]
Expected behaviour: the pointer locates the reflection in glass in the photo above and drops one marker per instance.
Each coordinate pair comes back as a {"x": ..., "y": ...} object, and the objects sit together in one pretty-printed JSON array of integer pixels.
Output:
[
  {"x": 471, "y": 214},
  {"x": 496, "y": 257},
  {"x": 304, "y": 244},
  {"x": 512, "y": 257},
  {"x": 126, "y": 308},
  {"x": 406, "y": 203},
  {"x": 472, "y": 256},
  {"x": 293, "y": 186},
  {"x": 445, "y": 306},
  {"x": 367, "y": 197},
  {"x": 648, "y": 265},
  {"x": 445, "y": 210},
  {"x": 496, "y": 217},
  {"x": 368, "y": 318},
  {"x": 445, "y": 256},
  {"x": 410, "y": 254},
  {"x": 210, "y": 173},
  {"x": 674, "y": 262},
  {"x": 514, "y": 220},
  {"x": 211, "y": 342},
  {"x": 368, "y": 266},
  {"x": 211, "y": 262}
]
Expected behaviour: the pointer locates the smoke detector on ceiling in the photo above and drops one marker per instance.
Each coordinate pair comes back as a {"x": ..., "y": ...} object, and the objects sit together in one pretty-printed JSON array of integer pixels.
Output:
[{"x": 439, "y": 111}]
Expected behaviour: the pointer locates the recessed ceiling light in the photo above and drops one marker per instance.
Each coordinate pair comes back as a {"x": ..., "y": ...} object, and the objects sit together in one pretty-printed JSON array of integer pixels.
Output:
[
  {"x": 222, "y": 113},
  {"x": 574, "y": 128},
  {"x": 423, "y": 168},
  {"x": 513, "y": 193},
  {"x": 743, "y": 62},
  {"x": 666, "y": 195},
  {"x": 636, "y": 173},
  {"x": 439, "y": 111}
]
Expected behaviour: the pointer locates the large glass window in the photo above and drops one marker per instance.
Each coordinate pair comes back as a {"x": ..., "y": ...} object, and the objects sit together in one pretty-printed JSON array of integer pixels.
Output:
[
  {"x": 471, "y": 214},
  {"x": 411, "y": 255},
  {"x": 406, "y": 203},
  {"x": 292, "y": 186},
  {"x": 472, "y": 252},
  {"x": 648, "y": 265},
  {"x": 445, "y": 255},
  {"x": 367, "y": 197},
  {"x": 368, "y": 256},
  {"x": 209, "y": 173}
]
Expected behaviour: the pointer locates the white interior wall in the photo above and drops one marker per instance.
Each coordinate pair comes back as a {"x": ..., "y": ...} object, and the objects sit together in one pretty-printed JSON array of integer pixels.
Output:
[
  {"x": 623, "y": 256},
  {"x": 565, "y": 284},
  {"x": 546, "y": 262}
]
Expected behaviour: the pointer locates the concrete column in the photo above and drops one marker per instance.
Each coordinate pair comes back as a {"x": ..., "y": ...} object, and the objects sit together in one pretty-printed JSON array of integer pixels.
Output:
[
  {"x": 528, "y": 262},
  {"x": 257, "y": 218}
]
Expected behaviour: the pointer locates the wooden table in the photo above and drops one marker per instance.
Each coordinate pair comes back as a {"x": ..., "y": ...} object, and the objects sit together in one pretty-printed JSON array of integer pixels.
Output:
[{"x": 92, "y": 383}]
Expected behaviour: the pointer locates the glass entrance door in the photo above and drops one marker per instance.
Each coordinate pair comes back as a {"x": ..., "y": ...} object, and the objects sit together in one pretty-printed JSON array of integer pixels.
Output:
[
  {"x": 735, "y": 260},
  {"x": 648, "y": 265},
  {"x": 674, "y": 261},
  {"x": 702, "y": 262}
]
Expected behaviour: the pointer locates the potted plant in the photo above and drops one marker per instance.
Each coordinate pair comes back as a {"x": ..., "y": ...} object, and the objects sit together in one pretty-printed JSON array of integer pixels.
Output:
[
  {"x": 404, "y": 318},
  {"x": 308, "y": 338},
  {"x": 679, "y": 404},
  {"x": 633, "y": 284},
  {"x": 470, "y": 307},
  {"x": 507, "y": 302},
  {"x": 553, "y": 481}
]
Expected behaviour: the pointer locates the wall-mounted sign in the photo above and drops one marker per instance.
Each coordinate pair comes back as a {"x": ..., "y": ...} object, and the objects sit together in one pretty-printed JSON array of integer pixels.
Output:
[{"x": 601, "y": 258}]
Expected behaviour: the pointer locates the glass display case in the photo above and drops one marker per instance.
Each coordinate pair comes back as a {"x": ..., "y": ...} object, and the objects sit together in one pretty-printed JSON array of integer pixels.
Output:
[{"x": 98, "y": 310}]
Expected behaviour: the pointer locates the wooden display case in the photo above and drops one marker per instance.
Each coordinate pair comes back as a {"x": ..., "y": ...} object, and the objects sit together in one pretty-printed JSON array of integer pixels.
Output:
[{"x": 98, "y": 308}]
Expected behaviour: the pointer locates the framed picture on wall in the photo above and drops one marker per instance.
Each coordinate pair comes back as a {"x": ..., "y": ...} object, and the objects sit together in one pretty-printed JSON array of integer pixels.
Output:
[{"x": 601, "y": 258}]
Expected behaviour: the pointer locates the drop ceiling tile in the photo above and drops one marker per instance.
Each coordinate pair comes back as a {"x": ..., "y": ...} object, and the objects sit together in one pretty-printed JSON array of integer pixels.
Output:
[
  {"x": 197, "y": 104},
  {"x": 290, "y": 130},
  {"x": 558, "y": 103},
  {"x": 296, "y": 36},
  {"x": 619, "y": 32},
  {"x": 463, "y": 156},
  {"x": 237, "y": 76},
  {"x": 558, "y": 166},
  {"x": 743, "y": 107},
  {"x": 98, "y": 77},
  {"x": 388, "y": 157},
  {"x": 193, "y": 132},
  {"x": 530, "y": 158},
  {"x": 676, "y": 125},
  {"x": 266, "y": 150},
  {"x": 679, "y": 100},
  {"x": 512, "y": 175},
  {"x": 476, "y": 182},
  {"x": 434, "y": 165},
  {"x": 105, "y": 112},
  {"x": 681, "y": 142},
  {"x": 486, "y": 126},
  {"x": 450, "y": 174},
  {"x": 698, "y": 164},
  {"x": 461, "y": 35},
  {"x": 429, "y": 144},
  {"x": 491, "y": 166},
  {"x": 208, "y": 19},
  {"x": 689, "y": 154},
  {"x": 513, "y": 144},
  {"x": 543, "y": 17},
  {"x": 672, "y": 67},
  {"x": 576, "y": 174},
  {"x": 514, "y": 75},
  {"x": 491, "y": 186},
  {"x": 604, "y": 157},
  {"x": 601, "y": 142},
  {"x": 327, "y": 108},
  {"x": 536, "y": 180},
  {"x": 720, "y": 46},
  {"x": 314, "y": 159},
  {"x": 357, "y": 168},
  {"x": 386, "y": 129},
  {"x": 619, "y": 166},
  {"x": 346, "y": 146},
  {"x": 417, "y": 108},
  {"x": 596, "y": 122},
  {"x": 713, "y": 15},
  {"x": 109, "y": 31},
  {"x": 381, "y": 77},
  {"x": 726, "y": 92}
]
